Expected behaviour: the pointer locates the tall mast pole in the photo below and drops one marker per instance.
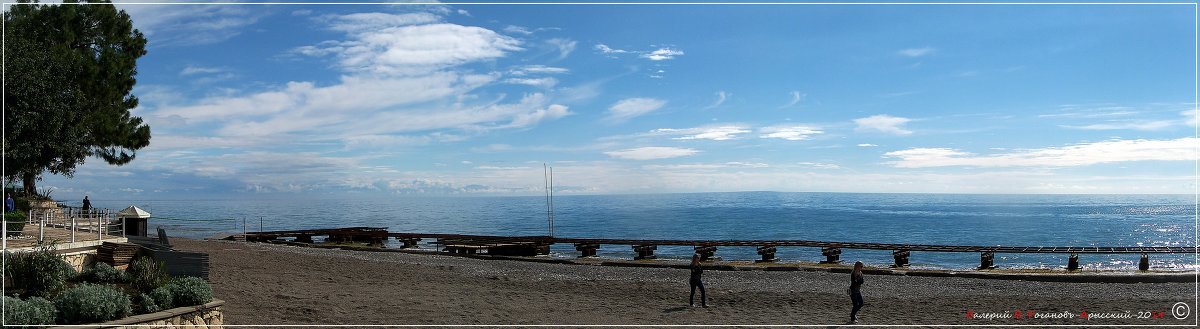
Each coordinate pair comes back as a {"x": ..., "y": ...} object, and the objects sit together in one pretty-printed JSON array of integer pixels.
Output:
[{"x": 546, "y": 185}]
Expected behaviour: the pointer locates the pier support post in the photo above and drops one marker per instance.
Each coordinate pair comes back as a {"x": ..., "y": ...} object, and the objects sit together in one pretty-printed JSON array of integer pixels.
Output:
[
  {"x": 900, "y": 257},
  {"x": 406, "y": 243},
  {"x": 832, "y": 255},
  {"x": 987, "y": 260},
  {"x": 1073, "y": 262},
  {"x": 644, "y": 251},
  {"x": 1144, "y": 263},
  {"x": 376, "y": 242},
  {"x": 587, "y": 249},
  {"x": 706, "y": 252},
  {"x": 304, "y": 238},
  {"x": 767, "y": 253}
]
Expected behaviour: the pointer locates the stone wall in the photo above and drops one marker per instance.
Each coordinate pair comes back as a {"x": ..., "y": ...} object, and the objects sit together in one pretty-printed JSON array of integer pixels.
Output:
[
  {"x": 203, "y": 316},
  {"x": 80, "y": 260}
]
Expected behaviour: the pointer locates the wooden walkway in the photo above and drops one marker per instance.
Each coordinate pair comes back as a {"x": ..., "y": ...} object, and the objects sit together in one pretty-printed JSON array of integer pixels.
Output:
[{"x": 644, "y": 248}]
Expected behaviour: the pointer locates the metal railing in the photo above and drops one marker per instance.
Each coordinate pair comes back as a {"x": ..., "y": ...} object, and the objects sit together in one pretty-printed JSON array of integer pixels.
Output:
[{"x": 81, "y": 223}]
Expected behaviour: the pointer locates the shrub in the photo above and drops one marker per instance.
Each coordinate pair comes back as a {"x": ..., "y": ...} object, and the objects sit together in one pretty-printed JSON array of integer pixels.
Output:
[
  {"x": 145, "y": 274},
  {"x": 189, "y": 291},
  {"x": 40, "y": 272},
  {"x": 15, "y": 222},
  {"x": 147, "y": 304},
  {"x": 163, "y": 298},
  {"x": 102, "y": 273},
  {"x": 88, "y": 303},
  {"x": 33, "y": 311},
  {"x": 15, "y": 216}
]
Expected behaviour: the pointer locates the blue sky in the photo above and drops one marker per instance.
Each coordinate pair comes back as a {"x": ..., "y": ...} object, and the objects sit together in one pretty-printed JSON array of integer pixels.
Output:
[{"x": 473, "y": 99}]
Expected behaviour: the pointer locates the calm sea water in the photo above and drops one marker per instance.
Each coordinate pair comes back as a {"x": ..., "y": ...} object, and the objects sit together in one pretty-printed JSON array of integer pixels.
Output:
[{"x": 1010, "y": 220}]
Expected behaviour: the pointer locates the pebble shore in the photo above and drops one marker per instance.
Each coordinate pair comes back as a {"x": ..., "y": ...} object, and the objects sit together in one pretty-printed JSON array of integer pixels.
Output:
[{"x": 276, "y": 284}]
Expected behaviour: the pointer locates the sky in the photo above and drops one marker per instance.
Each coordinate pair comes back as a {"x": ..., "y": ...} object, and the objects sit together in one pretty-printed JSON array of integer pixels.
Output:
[{"x": 435, "y": 99}]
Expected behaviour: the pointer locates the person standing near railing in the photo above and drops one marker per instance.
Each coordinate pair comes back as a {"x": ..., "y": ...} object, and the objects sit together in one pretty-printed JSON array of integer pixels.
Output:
[{"x": 87, "y": 204}]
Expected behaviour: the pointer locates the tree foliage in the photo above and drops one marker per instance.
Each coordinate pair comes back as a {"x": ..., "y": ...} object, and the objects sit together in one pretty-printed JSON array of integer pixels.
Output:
[{"x": 69, "y": 74}]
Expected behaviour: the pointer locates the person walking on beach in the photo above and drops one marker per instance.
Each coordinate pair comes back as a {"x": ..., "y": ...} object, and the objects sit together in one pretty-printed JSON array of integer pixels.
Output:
[
  {"x": 696, "y": 281},
  {"x": 856, "y": 281},
  {"x": 87, "y": 204},
  {"x": 9, "y": 204}
]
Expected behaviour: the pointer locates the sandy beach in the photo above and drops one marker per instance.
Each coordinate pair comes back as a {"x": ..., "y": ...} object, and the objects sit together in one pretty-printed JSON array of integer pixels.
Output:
[{"x": 276, "y": 284}]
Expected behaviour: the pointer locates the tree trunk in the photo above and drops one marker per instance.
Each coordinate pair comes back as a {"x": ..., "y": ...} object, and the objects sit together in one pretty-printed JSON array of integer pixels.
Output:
[{"x": 29, "y": 183}]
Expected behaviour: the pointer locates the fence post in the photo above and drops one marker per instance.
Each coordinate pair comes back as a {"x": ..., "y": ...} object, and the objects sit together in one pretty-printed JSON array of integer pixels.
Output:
[
  {"x": 73, "y": 222},
  {"x": 260, "y": 226}
]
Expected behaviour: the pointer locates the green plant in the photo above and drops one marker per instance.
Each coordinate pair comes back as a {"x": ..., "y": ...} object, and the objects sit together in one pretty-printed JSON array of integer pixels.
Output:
[
  {"x": 189, "y": 291},
  {"x": 145, "y": 274},
  {"x": 33, "y": 311},
  {"x": 147, "y": 304},
  {"x": 88, "y": 303},
  {"x": 14, "y": 216},
  {"x": 45, "y": 193},
  {"x": 39, "y": 272},
  {"x": 163, "y": 297},
  {"x": 102, "y": 273},
  {"x": 15, "y": 222}
]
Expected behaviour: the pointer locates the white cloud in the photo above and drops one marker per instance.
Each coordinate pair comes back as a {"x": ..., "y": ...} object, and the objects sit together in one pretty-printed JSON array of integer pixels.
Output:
[
  {"x": 791, "y": 133},
  {"x": 1127, "y": 125},
  {"x": 166, "y": 25},
  {"x": 629, "y": 108},
  {"x": 193, "y": 69},
  {"x": 652, "y": 153},
  {"x": 819, "y": 165},
  {"x": 867, "y": 145},
  {"x": 546, "y": 82},
  {"x": 797, "y": 96},
  {"x": 537, "y": 69},
  {"x": 1073, "y": 155},
  {"x": 721, "y": 97},
  {"x": 564, "y": 46},
  {"x": 1190, "y": 118},
  {"x": 883, "y": 123},
  {"x": 716, "y": 133},
  {"x": 662, "y": 54},
  {"x": 388, "y": 46},
  {"x": 916, "y": 52},
  {"x": 706, "y": 166},
  {"x": 551, "y": 112},
  {"x": 367, "y": 22},
  {"x": 606, "y": 50},
  {"x": 517, "y": 29}
]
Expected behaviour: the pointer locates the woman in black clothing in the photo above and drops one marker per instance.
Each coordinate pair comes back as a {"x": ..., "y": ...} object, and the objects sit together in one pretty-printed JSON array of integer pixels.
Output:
[
  {"x": 856, "y": 281},
  {"x": 697, "y": 271}
]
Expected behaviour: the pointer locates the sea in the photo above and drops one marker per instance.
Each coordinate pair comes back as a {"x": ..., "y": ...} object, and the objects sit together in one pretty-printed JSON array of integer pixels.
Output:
[{"x": 946, "y": 219}]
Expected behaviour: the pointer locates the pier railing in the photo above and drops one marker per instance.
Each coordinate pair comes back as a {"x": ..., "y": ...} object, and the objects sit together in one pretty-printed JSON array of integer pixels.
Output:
[
  {"x": 83, "y": 224},
  {"x": 644, "y": 248}
]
